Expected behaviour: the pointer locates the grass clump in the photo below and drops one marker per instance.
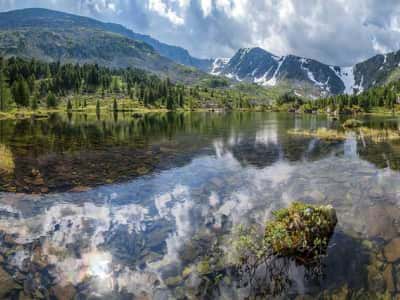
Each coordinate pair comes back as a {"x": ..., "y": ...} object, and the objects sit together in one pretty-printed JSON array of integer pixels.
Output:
[
  {"x": 379, "y": 135},
  {"x": 6, "y": 160},
  {"x": 321, "y": 133},
  {"x": 301, "y": 230}
]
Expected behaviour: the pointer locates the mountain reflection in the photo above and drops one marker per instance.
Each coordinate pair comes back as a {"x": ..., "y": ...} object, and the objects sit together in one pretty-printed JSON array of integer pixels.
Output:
[{"x": 79, "y": 152}]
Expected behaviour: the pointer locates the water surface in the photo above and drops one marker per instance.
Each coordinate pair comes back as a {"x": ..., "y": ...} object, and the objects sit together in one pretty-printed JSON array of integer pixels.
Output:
[{"x": 146, "y": 208}]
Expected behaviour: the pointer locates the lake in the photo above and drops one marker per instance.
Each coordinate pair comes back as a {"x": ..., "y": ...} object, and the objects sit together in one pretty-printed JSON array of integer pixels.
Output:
[{"x": 116, "y": 207}]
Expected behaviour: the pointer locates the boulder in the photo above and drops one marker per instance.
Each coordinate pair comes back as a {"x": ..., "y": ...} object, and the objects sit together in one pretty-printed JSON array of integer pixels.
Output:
[{"x": 301, "y": 230}]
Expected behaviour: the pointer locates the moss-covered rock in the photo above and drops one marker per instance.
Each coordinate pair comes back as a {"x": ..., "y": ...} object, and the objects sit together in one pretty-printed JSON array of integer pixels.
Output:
[
  {"x": 301, "y": 230},
  {"x": 173, "y": 281},
  {"x": 352, "y": 123},
  {"x": 203, "y": 267}
]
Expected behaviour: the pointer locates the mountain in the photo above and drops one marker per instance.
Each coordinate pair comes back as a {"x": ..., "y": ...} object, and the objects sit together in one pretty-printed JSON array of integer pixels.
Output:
[
  {"x": 377, "y": 70},
  {"x": 55, "y": 36},
  {"x": 262, "y": 67},
  {"x": 175, "y": 53},
  {"x": 44, "y": 18}
]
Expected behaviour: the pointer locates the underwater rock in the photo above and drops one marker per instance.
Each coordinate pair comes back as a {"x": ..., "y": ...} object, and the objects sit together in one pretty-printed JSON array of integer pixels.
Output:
[
  {"x": 203, "y": 267},
  {"x": 7, "y": 284},
  {"x": 388, "y": 276},
  {"x": 301, "y": 230},
  {"x": 392, "y": 250},
  {"x": 173, "y": 281},
  {"x": 376, "y": 281},
  {"x": 380, "y": 221}
]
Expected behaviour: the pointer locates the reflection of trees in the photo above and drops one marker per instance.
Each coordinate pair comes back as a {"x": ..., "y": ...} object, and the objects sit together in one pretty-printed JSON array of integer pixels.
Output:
[
  {"x": 87, "y": 145},
  {"x": 382, "y": 155},
  {"x": 80, "y": 149},
  {"x": 256, "y": 154}
]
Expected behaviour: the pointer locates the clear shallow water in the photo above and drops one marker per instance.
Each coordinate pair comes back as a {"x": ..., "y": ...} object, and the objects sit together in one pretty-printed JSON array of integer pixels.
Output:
[{"x": 160, "y": 196}]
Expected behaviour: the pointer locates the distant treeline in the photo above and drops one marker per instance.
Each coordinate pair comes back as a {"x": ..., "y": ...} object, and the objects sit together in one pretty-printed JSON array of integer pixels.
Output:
[
  {"x": 386, "y": 96},
  {"x": 26, "y": 83},
  {"x": 381, "y": 96}
]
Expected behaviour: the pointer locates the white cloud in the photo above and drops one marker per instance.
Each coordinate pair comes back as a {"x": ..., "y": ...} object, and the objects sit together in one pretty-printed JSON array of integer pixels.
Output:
[
  {"x": 332, "y": 31},
  {"x": 206, "y": 6},
  {"x": 164, "y": 10}
]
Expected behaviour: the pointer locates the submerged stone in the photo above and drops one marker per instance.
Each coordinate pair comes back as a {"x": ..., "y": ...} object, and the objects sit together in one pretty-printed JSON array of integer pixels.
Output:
[
  {"x": 7, "y": 284},
  {"x": 388, "y": 276},
  {"x": 301, "y": 230},
  {"x": 203, "y": 267},
  {"x": 392, "y": 250},
  {"x": 173, "y": 281}
]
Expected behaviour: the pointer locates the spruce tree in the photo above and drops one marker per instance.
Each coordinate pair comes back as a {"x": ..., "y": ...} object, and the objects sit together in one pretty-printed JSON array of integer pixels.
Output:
[
  {"x": 181, "y": 100},
  {"x": 20, "y": 91},
  {"x": 170, "y": 102},
  {"x": 34, "y": 102},
  {"x": 98, "y": 107},
  {"x": 51, "y": 101},
  {"x": 31, "y": 83},
  {"x": 69, "y": 105}
]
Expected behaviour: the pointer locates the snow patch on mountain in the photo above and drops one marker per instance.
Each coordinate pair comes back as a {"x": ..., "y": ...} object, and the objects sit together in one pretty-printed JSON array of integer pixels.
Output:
[
  {"x": 218, "y": 65},
  {"x": 346, "y": 74},
  {"x": 273, "y": 80},
  {"x": 310, "y": 74},
  {"x": 263, "y": 79},
  {"x": 233, "y": 76}
]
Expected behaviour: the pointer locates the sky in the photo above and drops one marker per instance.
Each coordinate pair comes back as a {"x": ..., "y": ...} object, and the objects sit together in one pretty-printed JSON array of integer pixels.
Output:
[{"x": 338, "y": 32}]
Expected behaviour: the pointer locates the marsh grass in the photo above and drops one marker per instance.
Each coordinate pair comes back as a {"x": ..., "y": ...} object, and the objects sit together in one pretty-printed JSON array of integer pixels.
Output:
[
  {"x": 321, "y": 133},
  {"x": 375, "y": 135},
  {"x": 6, "y": 160}
]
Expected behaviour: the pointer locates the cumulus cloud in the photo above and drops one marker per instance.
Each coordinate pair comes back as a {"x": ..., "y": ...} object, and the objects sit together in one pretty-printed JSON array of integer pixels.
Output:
[{"x": 338, "y": 32}]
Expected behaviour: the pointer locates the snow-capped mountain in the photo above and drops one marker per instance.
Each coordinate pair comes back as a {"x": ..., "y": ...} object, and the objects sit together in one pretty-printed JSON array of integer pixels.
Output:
[{"x": 262, "y": 67}]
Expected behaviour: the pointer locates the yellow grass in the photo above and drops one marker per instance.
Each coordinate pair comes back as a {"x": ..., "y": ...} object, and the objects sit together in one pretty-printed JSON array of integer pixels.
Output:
[
  {"x": 376, "y": 135},
  {"x": 6, "y": 159}
]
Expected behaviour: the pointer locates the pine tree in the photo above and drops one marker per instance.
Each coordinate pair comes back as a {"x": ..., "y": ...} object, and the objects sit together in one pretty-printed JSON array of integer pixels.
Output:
[
  {"x": 34, "y": 101},
  {"x": 20, "y": 92},
  {"x": 170, "y": 102},
  {"x": 181, "y": 100},
  {"x": 51, "y": 101},
  {"x": 69, "y": 105},
  {"x": 98, "y": 107},
  {"x": 31, "y": 83}
]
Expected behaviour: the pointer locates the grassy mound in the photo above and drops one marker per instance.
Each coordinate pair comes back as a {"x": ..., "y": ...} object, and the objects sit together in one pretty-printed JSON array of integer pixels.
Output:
[
  {"x": 352, "y": 123},
  {"x": 301, "y": 230}
]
